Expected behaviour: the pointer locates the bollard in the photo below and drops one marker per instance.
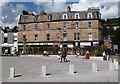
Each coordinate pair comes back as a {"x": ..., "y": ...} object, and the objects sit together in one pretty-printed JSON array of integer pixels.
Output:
[
  {"x": 114, "y": 60},
  {"x": 44, "y": 71},
  {"x": 71, "y": 69},
  {"x": 111, "y": 66},
  {"x": 12, "y": 72},
  {"x": 116, "y": 65},
  {"x": 94, "y": 67},
  {"x": 110, "y": 60}
]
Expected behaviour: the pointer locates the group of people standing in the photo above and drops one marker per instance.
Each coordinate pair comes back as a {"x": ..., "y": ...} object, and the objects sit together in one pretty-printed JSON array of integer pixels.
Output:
[
  {"x": 62, "y": 55},
  {"x": 106, "y": 56}
]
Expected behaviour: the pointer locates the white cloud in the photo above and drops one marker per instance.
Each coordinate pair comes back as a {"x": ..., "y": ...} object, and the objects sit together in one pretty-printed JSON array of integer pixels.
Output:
[
  {"x": 107, "y": 9},
  {"x": 10, "y": 14},
  {"x": 51, "y": 7},
  {"x": 111, "y": 12},
  {"x": 10, "y": 17}
]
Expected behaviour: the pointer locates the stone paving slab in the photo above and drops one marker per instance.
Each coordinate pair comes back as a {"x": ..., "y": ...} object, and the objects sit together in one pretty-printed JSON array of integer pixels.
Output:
[{"x": 28, "y": 69}]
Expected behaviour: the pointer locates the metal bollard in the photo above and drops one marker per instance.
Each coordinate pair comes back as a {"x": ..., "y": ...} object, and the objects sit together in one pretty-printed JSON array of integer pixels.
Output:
[
  {"x": 94, "y": 67},
  {"x": 12, "y": 72},
  {"x": 111, "y": 66},
  {"x": 115, "y": 64},
  {"x": 71, "y": 69},
  {"x": 44, "y": 71}
]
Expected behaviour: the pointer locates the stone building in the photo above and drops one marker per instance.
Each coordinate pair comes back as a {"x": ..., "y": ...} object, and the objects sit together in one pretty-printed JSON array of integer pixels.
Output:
[
  {"x": 59, "y": 29},
  {"x": 8, "y": 42}
]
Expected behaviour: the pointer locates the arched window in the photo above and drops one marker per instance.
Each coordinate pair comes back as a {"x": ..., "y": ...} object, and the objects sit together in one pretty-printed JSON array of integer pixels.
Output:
[
  {"x": 89, "y": 15},
  {"x": 49, "y": 17},
  {"x": 65, "y": 16},
  {"x": 77, "y": 16}
]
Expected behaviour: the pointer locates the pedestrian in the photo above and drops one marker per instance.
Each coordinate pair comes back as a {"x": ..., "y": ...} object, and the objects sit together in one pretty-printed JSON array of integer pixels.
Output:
[
  {"x": 87, "y": 55},
  {"x": 77, "y": 53},
  {"x": 64, "y": 55},
  {"x": 45, "y": 53},
  {"x": 104, "y": 56},
  {"x": 59, "y": 54}
]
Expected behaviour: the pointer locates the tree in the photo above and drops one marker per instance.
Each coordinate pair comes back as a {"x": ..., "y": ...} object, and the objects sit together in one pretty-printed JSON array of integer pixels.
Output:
[
  {"x": 6, "y": 29},
  {"x": 15, "y": 29},
  {"x": 116, "y": 38}
]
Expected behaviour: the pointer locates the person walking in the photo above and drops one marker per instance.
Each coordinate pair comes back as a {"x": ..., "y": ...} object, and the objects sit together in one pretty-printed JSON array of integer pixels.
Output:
[
  {"x": 59, "y": 54},
  {"x": 104, "y": 56},
  {"x": 64, "y": 55}
]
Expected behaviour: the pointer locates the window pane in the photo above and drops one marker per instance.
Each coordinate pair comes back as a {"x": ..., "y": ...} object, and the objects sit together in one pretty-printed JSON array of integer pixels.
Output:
[
  {"x": 64, "y": 25},
  {"x": 24, "y": 36},
  {"x": 35, "y": 18},
  {"x": 78, "y": 36},
  {"x": 89, "y": 24},
  {"x": 24, "y": 27},
  {"x": 76, "y": 25},
  {"x": 65, "y": 37},
  {"x": 5, "y": 40},
  {"x": 49, "y": 17},
  {"x": 48, "y": 37},
  {"x": 36, "y": 37},
  {"x": 75, "y": 36},
  {"x": 24, "y": 19},
  {"x": 36, "y": 26},
  {"x": 48, "y": 26},
  {"x": 89, "y": 15},
  {"x": 90, "y": 36},
  {"x": 65, "y": 16},
  {"x": 76, "y": 16}
]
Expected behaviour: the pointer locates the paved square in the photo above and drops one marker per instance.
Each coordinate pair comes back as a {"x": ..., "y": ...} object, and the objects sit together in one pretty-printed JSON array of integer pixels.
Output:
[{"x": 28, "y": 69}]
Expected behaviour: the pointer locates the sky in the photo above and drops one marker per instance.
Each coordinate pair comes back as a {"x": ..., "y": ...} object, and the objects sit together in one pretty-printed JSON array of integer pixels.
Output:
[{"x": 11, "y": 9}]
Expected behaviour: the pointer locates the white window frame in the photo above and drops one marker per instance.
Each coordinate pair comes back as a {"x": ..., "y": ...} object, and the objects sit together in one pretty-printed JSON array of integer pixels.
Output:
[
  {"x": 90, "y": 36},
  {"x": 65, "y": 38},
  {"x": 89, "y": 15},
  {"x": 64, "y": 16},
  {"x": 76, "y": 25},
  {"x": 76, "y": 16},
  {"x": 49, "y": 17}
]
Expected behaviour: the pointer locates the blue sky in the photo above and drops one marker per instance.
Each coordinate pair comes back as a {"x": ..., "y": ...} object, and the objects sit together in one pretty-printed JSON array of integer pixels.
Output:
[{"x": 12, "y": 10}]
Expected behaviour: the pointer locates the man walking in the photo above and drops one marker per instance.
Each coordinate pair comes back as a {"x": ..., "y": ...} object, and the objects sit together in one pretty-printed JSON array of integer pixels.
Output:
[{"x": 64, "y": 55}]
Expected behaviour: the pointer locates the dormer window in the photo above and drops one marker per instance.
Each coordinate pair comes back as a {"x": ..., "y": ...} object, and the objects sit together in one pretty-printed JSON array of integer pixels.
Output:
[
  {"x": 24, "y": 19},
  {"x": 89, "y": 15},
  {"x": 65, "y": 16},
  {"x": 77, "y": 16},
  {"x": 35, "y": 18},
  {"x": 49, "y": 17}
]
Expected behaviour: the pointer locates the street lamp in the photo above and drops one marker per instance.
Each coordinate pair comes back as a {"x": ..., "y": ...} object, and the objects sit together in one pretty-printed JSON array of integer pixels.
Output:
[{"x": 24, "y": 44}]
